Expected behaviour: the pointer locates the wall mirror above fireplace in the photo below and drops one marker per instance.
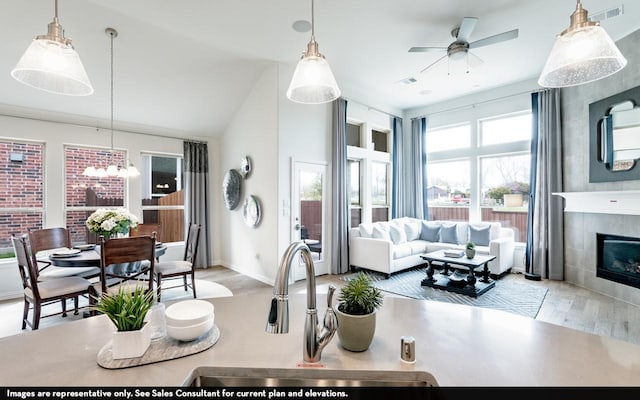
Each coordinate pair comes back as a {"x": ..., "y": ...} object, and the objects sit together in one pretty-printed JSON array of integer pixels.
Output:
[{"x": 614, "y": 125}]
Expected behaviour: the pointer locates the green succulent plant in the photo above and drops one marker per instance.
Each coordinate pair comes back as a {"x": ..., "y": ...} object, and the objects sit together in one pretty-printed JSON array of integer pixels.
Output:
[
  {"x": 126, "y": 308},
  {"x": 470, "y": 246},
  {"x": 359, "y": 296}
]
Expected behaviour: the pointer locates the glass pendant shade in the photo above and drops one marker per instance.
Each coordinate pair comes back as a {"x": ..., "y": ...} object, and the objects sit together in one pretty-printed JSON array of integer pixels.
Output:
[
  {"x": 53, "y": 67},
  {"x": 313, "y": 82},
  {"x": 132, "y": 170},
  {"x": 112, "y": 170},
  {"x": 583, "y": 53}
]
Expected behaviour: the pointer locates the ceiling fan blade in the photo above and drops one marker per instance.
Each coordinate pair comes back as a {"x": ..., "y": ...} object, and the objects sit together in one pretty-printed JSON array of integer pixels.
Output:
[
  {"x": 500, "y": 37},
  {"x": 433, "y": 63},
  {"x": 425, "y": 49},
  {"x": 474, "y": 60},
  {"x": 467, "y": 26}
]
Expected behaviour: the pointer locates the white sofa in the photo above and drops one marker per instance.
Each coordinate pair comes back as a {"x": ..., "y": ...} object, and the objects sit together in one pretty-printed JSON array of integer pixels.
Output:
[{"x": 396, "y": 245}]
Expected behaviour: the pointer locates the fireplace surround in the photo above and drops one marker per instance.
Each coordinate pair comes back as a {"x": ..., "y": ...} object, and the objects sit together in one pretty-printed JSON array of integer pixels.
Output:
[{"x": 618, "y": 259}]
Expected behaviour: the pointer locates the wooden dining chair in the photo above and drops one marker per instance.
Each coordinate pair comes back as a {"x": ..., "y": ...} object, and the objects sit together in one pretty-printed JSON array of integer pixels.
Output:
[
  {"x": 146, "y": 230},
  {"x": 38, "y": 293},
  {"x": 54, "y": 238},
  {"x": 126, "y": 261},
  {"x": 175, "y": 269}
]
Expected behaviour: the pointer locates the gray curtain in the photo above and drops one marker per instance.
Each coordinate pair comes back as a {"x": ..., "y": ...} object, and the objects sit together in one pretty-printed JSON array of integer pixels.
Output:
[
  {"x": 545, "y": 251},
  {"x": 340, "y": 220},
  {"x": 417, "y": 202},
  {"x": 398, "y": 196},
  {"x": 196, "y": 199}
]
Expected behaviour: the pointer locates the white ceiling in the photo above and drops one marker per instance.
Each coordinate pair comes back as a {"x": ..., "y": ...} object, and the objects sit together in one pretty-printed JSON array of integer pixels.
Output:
[{"x": 186, "y": 66}]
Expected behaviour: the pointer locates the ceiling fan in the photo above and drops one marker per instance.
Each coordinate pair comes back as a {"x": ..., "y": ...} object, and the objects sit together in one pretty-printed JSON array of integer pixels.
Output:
[{"x": 459, "y": 48}]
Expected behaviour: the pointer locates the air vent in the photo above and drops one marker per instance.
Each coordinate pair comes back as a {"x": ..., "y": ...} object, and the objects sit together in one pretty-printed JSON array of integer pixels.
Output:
[
  {"x": 409, "y": 81},
  {"x": 608, "y": 13}
]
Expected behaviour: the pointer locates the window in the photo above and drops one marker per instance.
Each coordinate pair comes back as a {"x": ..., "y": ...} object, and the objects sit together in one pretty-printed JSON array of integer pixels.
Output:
[
  {"x": 457, "y": 137},
  {"x": 380, "y": 191},
  {"x": 84, "y": 194},
  {"x": 369, "y": 171},
  {"x": 162, "y": 195},
  {"x": 355, "y": 196},
  {"x": 22, "y": 184},
  {"x": 506, "y": 129},
  {"x": 487, "y": 181}
]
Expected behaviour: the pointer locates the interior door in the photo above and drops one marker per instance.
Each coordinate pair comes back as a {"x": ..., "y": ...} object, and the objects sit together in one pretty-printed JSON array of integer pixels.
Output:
[{"x": 308, "y": 212}]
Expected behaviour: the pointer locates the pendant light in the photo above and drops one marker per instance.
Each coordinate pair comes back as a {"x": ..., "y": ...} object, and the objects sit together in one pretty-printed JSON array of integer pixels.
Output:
[
  {"x": 50, "y": 63},
  {"x": 582, "y": 53},
  {"x": 313, "y": 81},
  {"x": 113, "y": 170}
]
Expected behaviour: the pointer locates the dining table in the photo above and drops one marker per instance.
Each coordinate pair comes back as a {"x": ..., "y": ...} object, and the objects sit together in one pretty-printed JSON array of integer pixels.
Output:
[{"x": 89, "y": 256}]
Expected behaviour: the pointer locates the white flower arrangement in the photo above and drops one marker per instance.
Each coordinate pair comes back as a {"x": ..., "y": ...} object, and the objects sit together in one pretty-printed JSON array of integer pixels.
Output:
[{"x": 108, "y": 222}]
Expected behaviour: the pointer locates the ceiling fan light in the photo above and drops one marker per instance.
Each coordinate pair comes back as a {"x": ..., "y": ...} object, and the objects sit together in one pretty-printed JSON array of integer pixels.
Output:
[
  {"x": 313, "y": 82},
  {"x": 53, "y": 67}
]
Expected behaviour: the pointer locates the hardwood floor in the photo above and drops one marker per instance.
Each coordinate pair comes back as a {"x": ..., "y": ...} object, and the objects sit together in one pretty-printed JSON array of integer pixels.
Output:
[{"x": 565, "y": 304}]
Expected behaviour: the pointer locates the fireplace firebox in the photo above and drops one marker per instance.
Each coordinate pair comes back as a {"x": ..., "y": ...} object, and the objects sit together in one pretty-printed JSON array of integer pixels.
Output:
[{"x": 618, "y": 259}]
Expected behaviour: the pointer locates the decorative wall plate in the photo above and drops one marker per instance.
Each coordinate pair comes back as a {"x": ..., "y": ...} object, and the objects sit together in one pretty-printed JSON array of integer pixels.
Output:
[
  {"x": 231, "y": 187},
  {"x": 245, "y": 166},
  {"x": 252, "y": 211}
]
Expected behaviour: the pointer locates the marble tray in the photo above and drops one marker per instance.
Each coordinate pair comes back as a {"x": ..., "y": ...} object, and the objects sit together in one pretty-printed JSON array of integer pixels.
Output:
[{"x": 160, "y": 350}]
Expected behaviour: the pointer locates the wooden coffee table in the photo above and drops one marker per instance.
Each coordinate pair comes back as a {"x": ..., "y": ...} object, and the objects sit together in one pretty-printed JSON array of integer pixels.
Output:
[{"x": 455, "y": 281}]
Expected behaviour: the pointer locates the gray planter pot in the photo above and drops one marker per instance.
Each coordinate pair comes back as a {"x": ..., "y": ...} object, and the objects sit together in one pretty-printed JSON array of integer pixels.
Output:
[
  {"x": 356, "y": 331},
  {"x": 470, "y": 253}
]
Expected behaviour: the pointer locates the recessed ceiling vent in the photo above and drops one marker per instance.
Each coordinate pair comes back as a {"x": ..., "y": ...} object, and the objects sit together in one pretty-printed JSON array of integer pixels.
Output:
[{"x": 608, "y": 13}]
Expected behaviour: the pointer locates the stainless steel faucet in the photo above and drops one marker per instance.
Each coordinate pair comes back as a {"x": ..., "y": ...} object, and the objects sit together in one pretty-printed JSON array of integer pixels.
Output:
[{"x": 316, "y": 336}]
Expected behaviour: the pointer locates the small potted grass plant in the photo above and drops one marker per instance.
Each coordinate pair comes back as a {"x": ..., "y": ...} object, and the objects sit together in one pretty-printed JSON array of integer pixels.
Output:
[
  {"x": 127, "y": 309},
  {"x": 470, "y": 250},
  {"x": 356, "y": 311}
]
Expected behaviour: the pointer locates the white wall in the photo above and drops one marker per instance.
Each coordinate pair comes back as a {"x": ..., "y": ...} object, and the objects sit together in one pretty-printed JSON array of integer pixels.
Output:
[
  {"x": 55, "y": 135},
  {"x": 252, "y": 132}
]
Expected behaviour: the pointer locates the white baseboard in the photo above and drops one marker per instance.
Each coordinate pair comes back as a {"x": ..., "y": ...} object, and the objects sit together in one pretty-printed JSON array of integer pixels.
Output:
[{"x": 257, "y": 277}]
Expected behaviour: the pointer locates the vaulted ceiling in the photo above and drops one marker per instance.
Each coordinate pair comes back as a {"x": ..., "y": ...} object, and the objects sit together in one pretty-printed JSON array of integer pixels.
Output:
[{"x": 186, "y": 66}]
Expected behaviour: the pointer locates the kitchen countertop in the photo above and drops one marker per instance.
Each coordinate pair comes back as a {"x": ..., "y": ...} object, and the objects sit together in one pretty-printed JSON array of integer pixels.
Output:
[{"x": 459, "y": 345}]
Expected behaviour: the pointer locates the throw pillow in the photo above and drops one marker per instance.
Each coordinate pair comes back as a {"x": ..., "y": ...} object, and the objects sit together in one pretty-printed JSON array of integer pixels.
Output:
[
  {"x": 449, "y": 234},
  {"x": 366, "y": 230},
  {"x": 397, "y": 234},
  {"x": 480, "y": 236},
  {"x": 412, "y": 229},
  {"x": 430, "y": 232},
  {"x": 379, "y": 233}
]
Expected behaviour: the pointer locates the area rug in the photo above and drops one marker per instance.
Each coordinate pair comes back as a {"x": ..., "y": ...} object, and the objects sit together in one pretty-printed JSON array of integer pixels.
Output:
[
  {"x": 507, "y": 295},
  {"x": 204, "y": 290}
]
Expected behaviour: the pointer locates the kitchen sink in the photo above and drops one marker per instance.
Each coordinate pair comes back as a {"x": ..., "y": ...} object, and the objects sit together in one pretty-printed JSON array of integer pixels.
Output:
[{"x": 303, "y": 377}]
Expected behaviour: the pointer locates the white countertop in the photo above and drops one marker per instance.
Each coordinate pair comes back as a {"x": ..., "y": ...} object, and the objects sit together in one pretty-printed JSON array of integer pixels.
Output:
[{"x": 459, "y": 345}]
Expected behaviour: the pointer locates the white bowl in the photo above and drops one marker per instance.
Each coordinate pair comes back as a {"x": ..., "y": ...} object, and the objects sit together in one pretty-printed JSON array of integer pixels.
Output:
[
  {"x": 188, "y": 333},
  {"x": 188, "y": 312}
]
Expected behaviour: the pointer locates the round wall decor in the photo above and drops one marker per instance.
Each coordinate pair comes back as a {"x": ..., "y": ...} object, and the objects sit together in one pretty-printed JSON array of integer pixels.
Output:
[
  {"x": 245, "y": 167},
  {"x": 231, "y": 187},
  {"x": 252, "y": 211}
]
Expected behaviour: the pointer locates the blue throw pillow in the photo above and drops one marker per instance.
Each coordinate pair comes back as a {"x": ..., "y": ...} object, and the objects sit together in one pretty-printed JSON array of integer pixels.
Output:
[
  {"x": 449, "y": 234},
  {"x": 430, "y": 233},
  {"x": 480, "y": 236}
]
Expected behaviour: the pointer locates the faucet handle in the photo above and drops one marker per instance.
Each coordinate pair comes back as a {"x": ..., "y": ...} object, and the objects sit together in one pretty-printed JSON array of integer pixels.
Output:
[{"x": 330, "y": 293}]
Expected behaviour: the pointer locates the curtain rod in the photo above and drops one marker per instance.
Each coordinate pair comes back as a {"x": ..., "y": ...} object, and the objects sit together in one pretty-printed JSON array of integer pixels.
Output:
[
  {"x": 371, "y": 108},
  {"x": 473, "y": 105},
  {"x": 98, "y": 128}
]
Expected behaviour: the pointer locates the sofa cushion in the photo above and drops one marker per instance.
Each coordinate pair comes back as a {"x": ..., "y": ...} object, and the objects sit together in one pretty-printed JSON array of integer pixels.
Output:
[
  {"x": 449, "y": 234},
  {"x": 397, "y": 233},
  {"x": 401, "y": 250},
  {"x": 413, "y": 229},
  {"x": 366, "y": 230},
  {"x": 418, "y": 247},
  {"x": 379, "y": 232},
  {"x": 430, "y": 232},
  {"x": 480, "y": 236},
  {"x": 435, "y": 246}
]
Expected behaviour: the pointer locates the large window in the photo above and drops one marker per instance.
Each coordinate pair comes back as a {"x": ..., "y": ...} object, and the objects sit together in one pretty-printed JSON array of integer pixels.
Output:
[
  {"x": 162, "y": 195},
  {"x": 22, "y": 186},
  {"x": 369, "y": 155},
  {"x": 479, "y": 171},
  {"x": 84, "y": 194}
]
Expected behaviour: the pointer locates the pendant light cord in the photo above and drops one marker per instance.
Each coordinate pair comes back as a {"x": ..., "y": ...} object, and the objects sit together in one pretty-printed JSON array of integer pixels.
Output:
[
  {"x": 111, "y": 123},
  {"x": 313, "y": 34},
  {"x": 56, "y": 10}
]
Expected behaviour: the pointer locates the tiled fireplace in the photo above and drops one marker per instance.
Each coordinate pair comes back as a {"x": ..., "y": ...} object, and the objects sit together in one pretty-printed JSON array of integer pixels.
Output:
[{"x": 618, "y": 259}]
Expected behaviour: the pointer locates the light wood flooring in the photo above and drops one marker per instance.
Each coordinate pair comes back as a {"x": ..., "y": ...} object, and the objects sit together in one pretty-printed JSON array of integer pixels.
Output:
[{"x": 565, "y": 304}]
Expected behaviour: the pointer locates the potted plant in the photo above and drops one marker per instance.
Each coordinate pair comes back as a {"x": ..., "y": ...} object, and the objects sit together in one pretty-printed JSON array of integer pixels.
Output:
[
  {"x": 356, "y": 311},
  {"x": 127, "y": 309},
  {"x": 470, "y": 250}
]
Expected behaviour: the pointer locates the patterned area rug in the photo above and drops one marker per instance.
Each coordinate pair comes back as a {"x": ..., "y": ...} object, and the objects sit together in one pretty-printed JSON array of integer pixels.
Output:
[{"x": 507, "y": 295}]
